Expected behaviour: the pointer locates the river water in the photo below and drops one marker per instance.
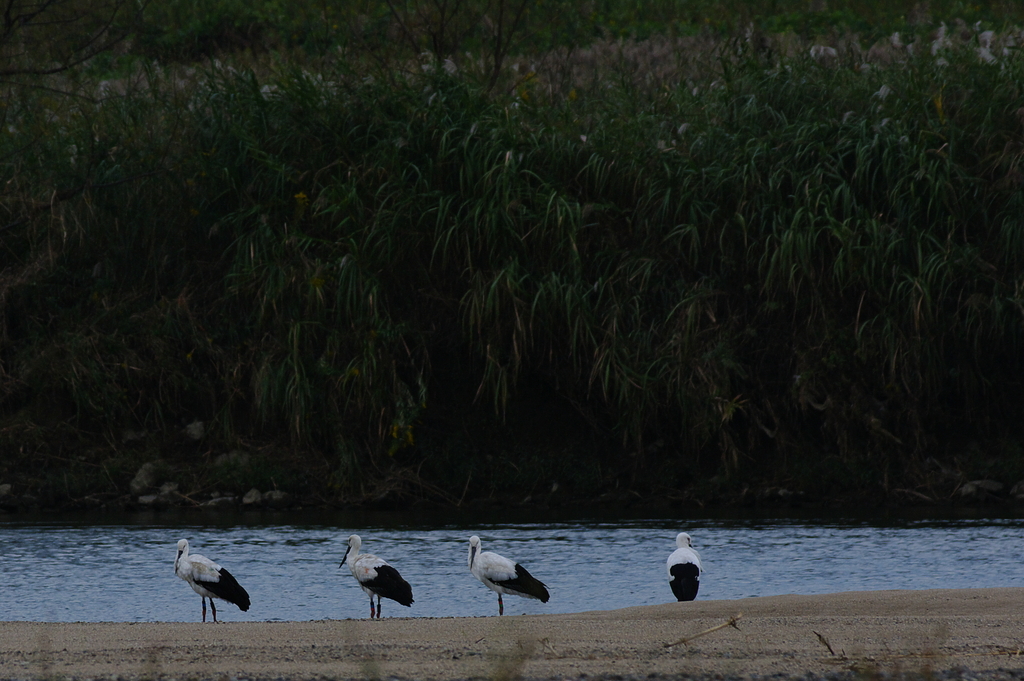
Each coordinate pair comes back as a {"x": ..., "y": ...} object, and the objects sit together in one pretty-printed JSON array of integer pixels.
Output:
[{"x": 97, "y": 569}]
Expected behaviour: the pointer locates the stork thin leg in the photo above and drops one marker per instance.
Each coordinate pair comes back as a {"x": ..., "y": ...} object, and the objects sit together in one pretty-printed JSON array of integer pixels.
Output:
[
  {"x": 204, "y": 608},
  {"x": 372, "y": 611},
  {"x": 214, "y": 608},
  {"x": 501, "y": 606},
  {"x": 379, "y": 609}
]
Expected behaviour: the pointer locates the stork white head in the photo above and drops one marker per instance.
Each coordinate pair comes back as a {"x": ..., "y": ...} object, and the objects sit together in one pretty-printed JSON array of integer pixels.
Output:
[
  {"x": 683, "y": 540},
  {"x": 354, "y": 542},
  {"x": 182, "y": 550},
  {"x": 474, "y": 549}
]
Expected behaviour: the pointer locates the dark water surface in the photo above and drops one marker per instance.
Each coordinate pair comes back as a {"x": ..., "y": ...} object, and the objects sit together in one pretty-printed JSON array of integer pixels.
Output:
[{"x": 96, "y": 568}]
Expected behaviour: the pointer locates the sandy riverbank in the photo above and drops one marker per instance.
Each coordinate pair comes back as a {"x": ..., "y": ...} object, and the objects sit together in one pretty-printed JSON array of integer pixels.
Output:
[{"x": 886, "y": 631}]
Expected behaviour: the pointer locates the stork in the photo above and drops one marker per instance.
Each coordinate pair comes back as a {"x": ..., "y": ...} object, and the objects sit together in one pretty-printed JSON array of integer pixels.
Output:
[
  {"x": 684, "y": 569},
  {"x": 503, "y": 576},
  {"x": 209, "y": 580},
  {"x": 375, "y": 576}
]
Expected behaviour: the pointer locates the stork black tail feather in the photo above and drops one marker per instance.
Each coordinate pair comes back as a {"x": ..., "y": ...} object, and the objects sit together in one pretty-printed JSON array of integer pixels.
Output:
[
  {"x": 685, "y": 581},
  {"x": 228, "y": 589}
]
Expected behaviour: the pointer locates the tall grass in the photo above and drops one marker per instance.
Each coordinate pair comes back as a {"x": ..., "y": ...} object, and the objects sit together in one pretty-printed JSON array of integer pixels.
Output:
[{"x": 747, "y": 262}]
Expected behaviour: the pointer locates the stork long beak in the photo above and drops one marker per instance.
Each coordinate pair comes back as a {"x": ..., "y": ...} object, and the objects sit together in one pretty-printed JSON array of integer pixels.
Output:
[
  {"x": 345, "y": 558},
  {"x": 472, "y": 555}
]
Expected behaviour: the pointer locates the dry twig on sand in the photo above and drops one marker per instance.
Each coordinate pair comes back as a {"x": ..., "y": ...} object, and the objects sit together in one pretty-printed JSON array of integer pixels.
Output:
[
  {"x": 731, "y": 623},
  {"x": 824, "y": 642}
]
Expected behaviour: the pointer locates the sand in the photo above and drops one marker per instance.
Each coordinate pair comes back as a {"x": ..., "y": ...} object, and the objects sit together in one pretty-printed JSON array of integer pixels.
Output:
[{"x": 974, "y": 631}]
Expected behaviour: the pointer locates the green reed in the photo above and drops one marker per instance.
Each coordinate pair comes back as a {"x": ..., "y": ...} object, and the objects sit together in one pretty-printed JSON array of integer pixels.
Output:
[{"x": 749, "y": 263}]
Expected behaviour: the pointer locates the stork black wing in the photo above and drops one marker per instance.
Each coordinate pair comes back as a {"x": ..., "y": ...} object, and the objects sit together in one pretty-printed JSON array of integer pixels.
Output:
[
  {"x": 228, "y": 589},
  {"x": 526, "y": 584},
  {"x": 389, "y": 584}
]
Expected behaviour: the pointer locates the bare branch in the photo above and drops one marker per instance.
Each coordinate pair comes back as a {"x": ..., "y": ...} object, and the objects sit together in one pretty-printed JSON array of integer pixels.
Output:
[
  {"x": 56, "y": 35},
  {"x": 503, "y": 37},
  {"x": 402, "y": 25}
]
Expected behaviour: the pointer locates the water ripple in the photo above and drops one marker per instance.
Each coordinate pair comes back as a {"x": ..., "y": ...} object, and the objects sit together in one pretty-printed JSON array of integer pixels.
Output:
[{"x": 71, "y": 571}]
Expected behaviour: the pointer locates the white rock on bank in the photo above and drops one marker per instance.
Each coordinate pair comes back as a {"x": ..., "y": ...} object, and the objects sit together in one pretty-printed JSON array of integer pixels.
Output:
[
  {"x": 195, "y": 430},
  {"x": 979, "y": 489},
  {"x": 220, "y": 502},
  {"x": 276, "y": 498},
  {"x": 146, "y": 477}
]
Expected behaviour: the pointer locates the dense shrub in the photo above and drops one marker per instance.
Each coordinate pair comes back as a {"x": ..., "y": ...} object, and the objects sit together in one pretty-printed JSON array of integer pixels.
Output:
[{"x": 735, "y": 259}]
